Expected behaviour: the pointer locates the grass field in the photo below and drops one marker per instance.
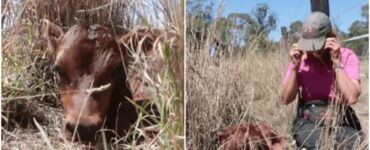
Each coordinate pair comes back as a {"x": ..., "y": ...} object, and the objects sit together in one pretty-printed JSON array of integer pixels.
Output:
[{"x": 243, "y": 87}]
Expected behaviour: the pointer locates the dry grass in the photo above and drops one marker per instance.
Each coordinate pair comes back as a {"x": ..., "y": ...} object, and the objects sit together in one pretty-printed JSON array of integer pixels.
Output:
[
  {"x": 243, "y": 88},
  {"x": 32, "y": 115},
  {"x": 239, "y": 88}
]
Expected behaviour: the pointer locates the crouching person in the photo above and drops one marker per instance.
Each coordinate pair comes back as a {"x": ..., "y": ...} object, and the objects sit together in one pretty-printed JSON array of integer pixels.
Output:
[{"x": 322, "y": 74}]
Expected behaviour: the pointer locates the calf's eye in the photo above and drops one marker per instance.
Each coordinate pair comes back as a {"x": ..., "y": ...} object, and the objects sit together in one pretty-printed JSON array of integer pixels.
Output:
[
  {"x": 55, "y": 68},
  {"x": 60, "y": 75}
]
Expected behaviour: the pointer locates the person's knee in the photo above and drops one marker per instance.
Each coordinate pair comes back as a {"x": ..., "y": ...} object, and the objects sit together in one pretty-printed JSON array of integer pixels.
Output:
[
  {"x": 308, "y": 136},
  {"x": 348, "y": 138}
]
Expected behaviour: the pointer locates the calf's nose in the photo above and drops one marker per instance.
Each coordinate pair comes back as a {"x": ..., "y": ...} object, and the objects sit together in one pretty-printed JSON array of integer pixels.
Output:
[{"x": 83, "y": 133}]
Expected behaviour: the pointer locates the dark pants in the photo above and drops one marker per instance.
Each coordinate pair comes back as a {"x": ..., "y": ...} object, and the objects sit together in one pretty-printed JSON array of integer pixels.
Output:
[
  {"x": 309, "y": 136},
  {"x": 309, "y": 132}
]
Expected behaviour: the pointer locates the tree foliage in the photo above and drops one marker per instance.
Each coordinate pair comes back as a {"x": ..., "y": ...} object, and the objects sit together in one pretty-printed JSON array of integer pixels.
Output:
[
  {"x": 360, "y": 27},
  {"x": 253, "y": 29},
  {"x": 237, "y": 29},
  {"x": 265, "y": 19},
  {"x": 199, "y": 14}
]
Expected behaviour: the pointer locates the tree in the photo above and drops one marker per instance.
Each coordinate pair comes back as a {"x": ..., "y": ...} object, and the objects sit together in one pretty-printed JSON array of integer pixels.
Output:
[
  {"x": 296, "y": 26},
  {"x": 253, "y": 29},
  {"x": 199, "y": 18},
  {"x": 294, "y": 31},
  {"x": 266, "y": 22},
  {"x": 223, "y": 26},
  {"x": 357, "y": 28},
  {"x": 243, "y": 26},
  {"x": 360, "y": 27},
  {"x": 365, "y": 13},
  {"x": 265, "y": 19},
  {"x": 222, "y": 37}
]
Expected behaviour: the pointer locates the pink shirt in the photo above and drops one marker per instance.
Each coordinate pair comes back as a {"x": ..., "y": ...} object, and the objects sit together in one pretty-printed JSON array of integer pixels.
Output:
[{"x": 316, "y": 81}]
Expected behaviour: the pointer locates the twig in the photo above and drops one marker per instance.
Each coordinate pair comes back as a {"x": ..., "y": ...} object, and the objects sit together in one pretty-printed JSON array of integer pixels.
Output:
[
  {"x": 98, "y": 89},
  {"x": 43, "y": 134},
  {"x": 195, "y": 71},
  {"x": 96, "y": 8},
  {"x": 92, "y": 90}
]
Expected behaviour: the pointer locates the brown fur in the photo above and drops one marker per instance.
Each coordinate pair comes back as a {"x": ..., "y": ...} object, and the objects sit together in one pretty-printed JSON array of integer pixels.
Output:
[
  {"x": 89, "y": 56},
  {"x": 252, "y": 135}
]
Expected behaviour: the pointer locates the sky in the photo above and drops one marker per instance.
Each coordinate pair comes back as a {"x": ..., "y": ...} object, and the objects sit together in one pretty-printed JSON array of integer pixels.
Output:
[{"x": 342, "y": 12}]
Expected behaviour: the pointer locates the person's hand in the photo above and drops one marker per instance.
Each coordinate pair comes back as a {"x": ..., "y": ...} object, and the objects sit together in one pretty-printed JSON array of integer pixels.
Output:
[
  {"x": 295, "y": 56},
  {"x": 333, "y": 45}
]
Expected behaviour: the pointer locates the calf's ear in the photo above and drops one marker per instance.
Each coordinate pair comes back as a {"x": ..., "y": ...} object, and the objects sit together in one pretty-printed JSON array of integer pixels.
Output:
[
  {"x": 140, "y": 38},
  {"x": 52, "y": 33}
]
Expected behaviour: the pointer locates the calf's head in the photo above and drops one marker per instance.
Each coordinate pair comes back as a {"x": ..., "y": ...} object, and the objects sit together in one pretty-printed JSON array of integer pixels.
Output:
[{"x": 85, "y": 57}]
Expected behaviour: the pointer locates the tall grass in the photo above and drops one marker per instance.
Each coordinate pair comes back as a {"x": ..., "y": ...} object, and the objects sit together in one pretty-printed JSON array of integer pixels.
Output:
[
  {"x": 32, "y": 115},
  {"x": 231, "y": 89}
]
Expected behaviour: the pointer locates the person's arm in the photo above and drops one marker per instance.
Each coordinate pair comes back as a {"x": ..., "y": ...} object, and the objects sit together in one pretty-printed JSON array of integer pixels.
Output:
[
  {"x": 290, "y": 86},
  {"x": 350, "y": 88}
]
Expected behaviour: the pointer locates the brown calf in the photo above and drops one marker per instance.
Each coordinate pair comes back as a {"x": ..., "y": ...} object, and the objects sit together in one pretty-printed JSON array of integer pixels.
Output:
[
  {"x": 252, "y": 135},
  {"x": 90, "y": 66}
]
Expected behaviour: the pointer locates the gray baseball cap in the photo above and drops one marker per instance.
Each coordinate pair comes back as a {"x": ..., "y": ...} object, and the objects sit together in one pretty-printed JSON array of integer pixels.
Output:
[{"x": 314, "y": 31}]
